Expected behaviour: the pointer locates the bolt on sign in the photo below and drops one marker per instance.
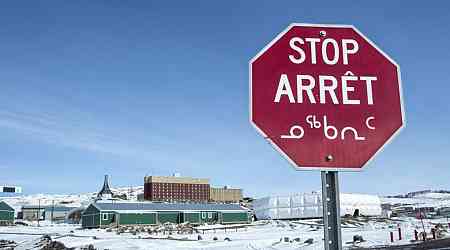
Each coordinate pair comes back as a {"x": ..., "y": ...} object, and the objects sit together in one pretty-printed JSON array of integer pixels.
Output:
[{"x": 325, "y": 96}]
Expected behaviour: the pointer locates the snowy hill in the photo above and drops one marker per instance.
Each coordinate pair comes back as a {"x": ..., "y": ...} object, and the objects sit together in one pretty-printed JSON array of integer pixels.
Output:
[
  {"x": 71, "y": 200},
  {"x": 419, "y": 198},
  {"x": 426, "y": 198},
  {"x": 434, "y": 194}
]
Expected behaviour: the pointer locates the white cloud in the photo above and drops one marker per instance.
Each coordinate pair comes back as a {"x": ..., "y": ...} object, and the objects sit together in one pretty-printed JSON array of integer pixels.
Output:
[{"x": 70, "y": 134}]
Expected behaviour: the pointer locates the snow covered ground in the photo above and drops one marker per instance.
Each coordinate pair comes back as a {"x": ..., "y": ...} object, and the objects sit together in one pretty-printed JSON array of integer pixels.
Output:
[{"x": 259, "y": 235}]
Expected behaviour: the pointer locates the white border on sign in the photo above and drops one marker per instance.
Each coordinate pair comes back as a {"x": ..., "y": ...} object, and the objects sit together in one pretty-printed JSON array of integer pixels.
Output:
[{"x": 296, "y": 167}]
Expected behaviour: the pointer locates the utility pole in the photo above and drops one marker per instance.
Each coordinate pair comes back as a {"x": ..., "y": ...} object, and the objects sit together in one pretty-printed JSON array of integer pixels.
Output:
[
  {"x": 39, "y": 211},
  {"x": 421, "y": 220},
  {"x": 53, "y": 209},
  {"x": 131, "y": 193}
]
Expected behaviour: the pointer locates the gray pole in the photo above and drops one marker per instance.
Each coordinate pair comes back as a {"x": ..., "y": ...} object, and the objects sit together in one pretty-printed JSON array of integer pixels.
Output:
[
  {"x": 53, "y": 209},
  {"x": 331, "y": 213},
  {"x": 39, "y": 211}
]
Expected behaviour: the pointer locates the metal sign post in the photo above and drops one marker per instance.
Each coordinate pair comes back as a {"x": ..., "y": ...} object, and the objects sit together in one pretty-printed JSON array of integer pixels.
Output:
[{"x": 331, "y": 212}]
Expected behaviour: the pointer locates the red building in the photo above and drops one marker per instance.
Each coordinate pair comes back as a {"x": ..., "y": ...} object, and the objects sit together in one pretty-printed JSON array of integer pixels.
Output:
[{"x": 173, "y": 188}]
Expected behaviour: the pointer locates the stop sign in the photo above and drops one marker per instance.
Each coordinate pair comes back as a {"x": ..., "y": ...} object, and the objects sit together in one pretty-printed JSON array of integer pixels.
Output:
[{"x": 325, "y": 96}]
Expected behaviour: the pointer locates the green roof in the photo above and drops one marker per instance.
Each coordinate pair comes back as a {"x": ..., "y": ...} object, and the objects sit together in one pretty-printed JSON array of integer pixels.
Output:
[
  {"x": 4, "y": 206},
  {"x": 150, "y": 206}
]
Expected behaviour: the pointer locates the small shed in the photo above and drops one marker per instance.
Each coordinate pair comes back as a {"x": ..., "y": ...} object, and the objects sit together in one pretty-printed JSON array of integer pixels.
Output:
[
  {"x": 103, "y": 214},
  {"x": 6, "y": 214}
]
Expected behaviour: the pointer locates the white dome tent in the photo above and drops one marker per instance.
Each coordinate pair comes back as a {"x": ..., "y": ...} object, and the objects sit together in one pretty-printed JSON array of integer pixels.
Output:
[{"x": 309, "y": 205}]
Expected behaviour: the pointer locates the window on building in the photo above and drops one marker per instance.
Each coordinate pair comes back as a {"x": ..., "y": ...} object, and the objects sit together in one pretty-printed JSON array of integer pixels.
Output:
[
  {"x": 105, "y": 216},
  {"x": 209, "y": 215},
  {"x": 203, "y": 215}
]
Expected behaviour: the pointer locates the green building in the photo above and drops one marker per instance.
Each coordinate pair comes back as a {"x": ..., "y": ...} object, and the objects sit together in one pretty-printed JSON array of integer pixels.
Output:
[
  {"x": 6, "y": 214},
  {"x": 103, "y": 214}
]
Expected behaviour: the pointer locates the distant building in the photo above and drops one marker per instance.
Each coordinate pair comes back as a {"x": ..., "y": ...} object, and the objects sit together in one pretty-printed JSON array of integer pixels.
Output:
[
  {"x": 444, "y": 211},
  {"x": 225, "y": 194},
  {"x": 105, "y": 192},
  {"x": 404, "y": 210},
  {"x": 33, "y": 212},
  {"x": 6, "y": 214},
  {"x": 10, "y": 189},
  {"x": 104, "y": 214},
  {"x": 309, "y": 205},
  {"x": 57, "y": 213},
  {"x": 176, "y": 188}
]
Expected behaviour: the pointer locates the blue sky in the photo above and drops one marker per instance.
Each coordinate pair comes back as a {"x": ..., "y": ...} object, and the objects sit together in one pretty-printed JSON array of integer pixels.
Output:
[{"x": 129, "y": 89}]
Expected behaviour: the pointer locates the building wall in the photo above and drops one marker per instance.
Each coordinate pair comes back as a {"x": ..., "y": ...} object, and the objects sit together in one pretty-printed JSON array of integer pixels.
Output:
[
  {"x": 174, "y": 179},
  {"x": 172, "y": 217},
  {"x": 137, "y": 218},
  {"x": 167, "y": 188},
  {"x": 90, "y": 221},
  {"x": 192, "y": 217},
  {"x": 6, "y": 213},
  {"x": 107, "y": 218},
  {"x": 99, "y": 220},
  {"x": 55, "y": 215},
  {"x": 101, "y": 216},
  {"x": 209, "y": 217},
  {"x": 225, "y": 194},
  {"x": 7, "y": 216},
  {"x": 236, "y": 217},
  {"x": 90, "y": 217},
  {"x": 32, "y": 214}
]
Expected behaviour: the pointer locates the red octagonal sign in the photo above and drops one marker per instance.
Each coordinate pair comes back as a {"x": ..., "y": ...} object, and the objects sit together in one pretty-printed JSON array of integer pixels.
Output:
[{"x": 325, "y": 96}]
